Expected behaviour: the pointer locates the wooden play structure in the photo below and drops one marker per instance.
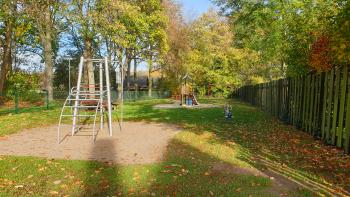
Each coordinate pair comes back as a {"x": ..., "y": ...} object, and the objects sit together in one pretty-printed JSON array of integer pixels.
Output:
[{"x": 188, "y": 97}]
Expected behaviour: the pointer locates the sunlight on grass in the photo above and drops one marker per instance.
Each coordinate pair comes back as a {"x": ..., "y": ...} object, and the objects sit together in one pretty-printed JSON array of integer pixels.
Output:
[
  {"x": 13, "y": 123},
  {"x": 137, "y": 179},
  {"x": 207, "y": 143}
]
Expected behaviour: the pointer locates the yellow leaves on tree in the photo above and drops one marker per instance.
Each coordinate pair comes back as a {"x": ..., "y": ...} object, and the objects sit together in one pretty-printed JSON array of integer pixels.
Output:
[{"x": 320, "y": 55}]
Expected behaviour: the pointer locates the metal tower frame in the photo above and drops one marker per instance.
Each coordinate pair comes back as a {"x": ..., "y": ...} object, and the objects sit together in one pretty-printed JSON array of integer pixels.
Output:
[{"x": 84, "y": 98}]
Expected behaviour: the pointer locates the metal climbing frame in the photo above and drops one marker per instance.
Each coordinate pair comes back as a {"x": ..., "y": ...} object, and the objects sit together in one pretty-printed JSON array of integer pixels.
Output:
[{"x": 84, "y": 98}]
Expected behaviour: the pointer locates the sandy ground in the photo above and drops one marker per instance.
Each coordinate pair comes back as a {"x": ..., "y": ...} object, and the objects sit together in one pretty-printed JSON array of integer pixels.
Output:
[{"x": 137, "y": 143}]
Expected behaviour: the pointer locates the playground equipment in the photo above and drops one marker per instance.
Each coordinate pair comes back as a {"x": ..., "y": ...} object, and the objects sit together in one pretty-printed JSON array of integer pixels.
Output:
[
  {"x": 188, "y": 97},
  {"x": 228, "y": 112},
  {"x": 89, "y": 98}
]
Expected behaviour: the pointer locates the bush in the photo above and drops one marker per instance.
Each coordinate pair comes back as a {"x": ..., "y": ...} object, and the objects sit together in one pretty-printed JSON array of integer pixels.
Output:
[{"x": 26, "y": 85}]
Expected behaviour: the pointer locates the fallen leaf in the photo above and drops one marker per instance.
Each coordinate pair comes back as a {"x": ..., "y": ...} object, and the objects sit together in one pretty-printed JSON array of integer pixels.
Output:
[
  {"x": 19, "y": 186},
  {"x": 57, "y": 182},
  {"x": 63, "y": 186},
  {"x": 53, "y": 192}
]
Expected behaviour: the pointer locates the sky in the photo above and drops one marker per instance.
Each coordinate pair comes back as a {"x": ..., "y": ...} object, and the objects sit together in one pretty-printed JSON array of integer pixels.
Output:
[{"x": 194, "y": 8}]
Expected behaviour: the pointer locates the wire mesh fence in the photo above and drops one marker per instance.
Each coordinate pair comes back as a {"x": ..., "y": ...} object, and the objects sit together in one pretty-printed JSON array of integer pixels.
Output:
[
  {"x": 30, "y": 101},
  {"x": 15, "y": 102},
  {"x": 142, "y": 95}
]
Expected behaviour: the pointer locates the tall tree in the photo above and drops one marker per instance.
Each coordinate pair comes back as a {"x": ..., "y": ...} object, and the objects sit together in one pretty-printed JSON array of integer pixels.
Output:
[
  {"x": 155, "y": 37},
  {"x": 178, "y": 41},
  {"x": 120, "y": 23},
  {"x": 81, "y": 17},
  {"x": 211, "y": 58},
  {"x": 44, "y": 13},
  {"x": 8, "y": 9},
  {"x": 282, "y": 32},
  {"x": 136, "y": 29}
]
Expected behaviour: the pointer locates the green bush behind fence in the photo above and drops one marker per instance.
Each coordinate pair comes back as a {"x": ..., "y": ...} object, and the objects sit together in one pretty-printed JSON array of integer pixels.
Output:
[{"x": 317, "y": 103}]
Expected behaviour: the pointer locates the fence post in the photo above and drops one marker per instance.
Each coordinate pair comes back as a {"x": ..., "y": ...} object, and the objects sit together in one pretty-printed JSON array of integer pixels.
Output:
[
  {"x": 16, "y": 101},
  {"x": 47, "y": 102}
]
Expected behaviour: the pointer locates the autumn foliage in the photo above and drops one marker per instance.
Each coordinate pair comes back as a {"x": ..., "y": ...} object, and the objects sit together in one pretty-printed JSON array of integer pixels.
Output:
[{"x": 320, "y": 54}]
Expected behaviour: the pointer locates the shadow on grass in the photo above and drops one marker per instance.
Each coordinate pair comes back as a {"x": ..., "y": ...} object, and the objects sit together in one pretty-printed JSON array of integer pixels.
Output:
[
  {"x": 266, "y": 142},
  {"x": 185, "y": 171},
  {"x": 100, "y": 178}
]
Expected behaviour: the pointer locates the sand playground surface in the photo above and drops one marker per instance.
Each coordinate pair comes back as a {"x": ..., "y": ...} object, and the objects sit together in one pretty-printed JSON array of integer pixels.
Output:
[{"x": 136, "y": 143}]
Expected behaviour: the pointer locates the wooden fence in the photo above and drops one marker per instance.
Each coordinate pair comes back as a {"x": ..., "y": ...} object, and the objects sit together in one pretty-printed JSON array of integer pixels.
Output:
[{"x": 317, "y": 103}]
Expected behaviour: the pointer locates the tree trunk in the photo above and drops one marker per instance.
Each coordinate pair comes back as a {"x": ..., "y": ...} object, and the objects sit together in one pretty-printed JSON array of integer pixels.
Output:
[
  {"x": 7, "y": 56},
  {"x": 46, "y": 40},
  {"x": 135, "y": 74},
  {"x": 283, "y": 68},
  {"x": 48, "y": 65},
  {"x": 119, "y": 81},
  {"x": 150, "y": 78},
  {"x": 89, "y": 74},
  {"x": 128, "y": 74},
  {"x": 125, "y": 65}
]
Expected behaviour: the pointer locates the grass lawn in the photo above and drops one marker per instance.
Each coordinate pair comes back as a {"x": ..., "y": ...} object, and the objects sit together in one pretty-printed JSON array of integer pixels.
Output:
[{"x": 251, "y": 140}]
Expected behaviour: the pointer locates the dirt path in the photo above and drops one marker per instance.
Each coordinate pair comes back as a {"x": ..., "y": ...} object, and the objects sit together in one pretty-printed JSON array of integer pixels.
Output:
[{"x": 137, "y": 143}]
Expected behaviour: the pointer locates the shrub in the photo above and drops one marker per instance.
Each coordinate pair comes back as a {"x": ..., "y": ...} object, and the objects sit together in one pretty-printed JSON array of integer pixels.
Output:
[{"x": 26, "y": 85}]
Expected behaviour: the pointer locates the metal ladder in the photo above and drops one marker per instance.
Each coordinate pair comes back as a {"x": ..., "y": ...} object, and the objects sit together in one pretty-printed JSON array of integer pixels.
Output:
[{"x": 84, "y": 99}]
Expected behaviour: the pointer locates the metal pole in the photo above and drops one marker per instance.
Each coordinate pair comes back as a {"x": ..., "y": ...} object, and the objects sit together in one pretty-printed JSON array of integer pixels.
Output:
[
  {"x": 101, "y": 95},
  {"x": 69, "y": 79},
  {"x": 69, "y": 82},
  {"x": 108, "y": 97},
  {"x": 77, "y": 94},
  {"x": 122, "y": 97}
]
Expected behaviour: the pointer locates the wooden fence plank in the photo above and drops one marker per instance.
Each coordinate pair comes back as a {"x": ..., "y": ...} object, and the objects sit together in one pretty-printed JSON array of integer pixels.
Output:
[
  {"x": 289, "y": 100},
  {"x": 342, "y": 106},
  {"x": 293, "y": 90},
  {"x": 297, "y": 100},
  {"x": 317, "y": 113},
  {"x": 304, "y": 102},
  {"x": 347, "y": 121},
  {"x": 307, "y": 97},
  {"x": 314, "y": 119},
  {"x": 277, "y": 99},
  {"x": 311, "y": 104},
  {"x": 329, "y": 106},
  {"x": 317, "y": 103},
  {"x": 335, "y": 106},
  {"x": 300, "y": 103},
  {"x": 325, "y": 94}
]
